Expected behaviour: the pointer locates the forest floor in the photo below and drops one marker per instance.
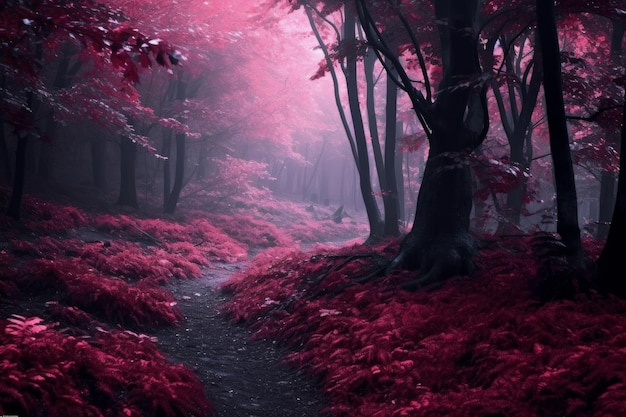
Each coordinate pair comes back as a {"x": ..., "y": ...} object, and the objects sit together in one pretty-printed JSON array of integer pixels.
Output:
[
  {"x": 221, "y": 314},
  {"x": 244, "y": 378},
  {"x": 115, "y": 313}
]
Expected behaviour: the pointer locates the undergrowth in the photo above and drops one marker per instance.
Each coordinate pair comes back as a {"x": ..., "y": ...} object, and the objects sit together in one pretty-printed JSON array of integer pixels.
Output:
[
  {"x": 84, "y": 279},
  {"x": 478, "y": 346}
]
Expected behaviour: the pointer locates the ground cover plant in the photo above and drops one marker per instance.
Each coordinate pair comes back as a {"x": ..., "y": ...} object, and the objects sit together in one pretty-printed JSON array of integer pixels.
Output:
[
  {"x": 47, "y": 371},
  {"x": 485, "y": 345},
  {"x": 79, "y": 288},
  {"x": 73, "y": 355}
]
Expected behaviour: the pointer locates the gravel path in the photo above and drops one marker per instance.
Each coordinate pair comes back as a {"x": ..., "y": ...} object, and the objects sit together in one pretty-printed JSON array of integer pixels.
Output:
[{"x": 243, "y": 378}]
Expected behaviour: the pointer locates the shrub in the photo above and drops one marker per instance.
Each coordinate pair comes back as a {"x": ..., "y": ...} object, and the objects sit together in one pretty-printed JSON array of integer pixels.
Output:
[{"x": 46, "y": 372}]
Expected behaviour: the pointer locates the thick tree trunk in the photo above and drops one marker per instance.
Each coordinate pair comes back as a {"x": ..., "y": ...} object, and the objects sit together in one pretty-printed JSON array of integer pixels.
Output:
[
  {"x": 607, "y": 179},
  {"x": 567, "y": 203},
  {"x": 440, "y": 244},
  {"x": 610, "y": 275},
  {"x": 128, "y": 161}
]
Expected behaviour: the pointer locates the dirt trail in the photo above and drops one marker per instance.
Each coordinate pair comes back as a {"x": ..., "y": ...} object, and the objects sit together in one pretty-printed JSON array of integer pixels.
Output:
[{"x": 243, "y": 378}]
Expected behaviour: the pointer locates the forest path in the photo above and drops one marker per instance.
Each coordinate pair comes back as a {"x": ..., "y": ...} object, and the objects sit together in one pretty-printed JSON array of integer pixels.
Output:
[{"x": 243, "y": 378}]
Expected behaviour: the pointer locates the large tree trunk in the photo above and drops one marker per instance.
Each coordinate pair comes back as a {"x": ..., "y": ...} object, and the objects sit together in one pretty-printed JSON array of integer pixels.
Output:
[
  {"x": 610, "y": 276},
  {"x": 607, "y": 179},
  {"x": 128, "y": 161},
  {"x": 567, "y": 202},
  {"x": 440, "y": 244}
]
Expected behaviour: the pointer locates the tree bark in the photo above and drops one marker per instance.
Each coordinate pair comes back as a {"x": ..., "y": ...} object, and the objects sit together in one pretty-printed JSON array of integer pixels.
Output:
[
  {"x": 606, "y": 203},
  {"x": 390, "y": 187},
  {"x": 607, "y": 179},
  {"x": 181, "y": 140},
  {"x": 518, "y": 129},
  {"x": 128, "y": 161},
  {"x": 371, "y": 207},
  {"x": 15, "y": 204},
  {"x": 167, "y": 166},
  {"x": 567, "y": 203},
  {"x": 610, "y": 264},
  {"x": 5, "y": 159},
  {"x": 399, "y": 175},
  {"x": 440, "y": 244},
  {"x": 98, "y": 162},
  {"x": 179, "y": 172}
]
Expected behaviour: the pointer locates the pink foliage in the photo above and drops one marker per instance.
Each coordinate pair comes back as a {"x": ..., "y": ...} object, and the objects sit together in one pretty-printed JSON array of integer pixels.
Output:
[
  {"x": 479, "y": 346},
  {"x": 47, "y": 372},
  {"x": 210, "y": 241},
  {"x": 47, "y": 247},
  {"x": 113, "y": 299},
  {"x": 7, "y": 275},
  {"x": 46, "y": 217},
  {"x": 133, "y": 262},
  {"x": 215, "y": 243},
  {"x": 253, "y": 232}
]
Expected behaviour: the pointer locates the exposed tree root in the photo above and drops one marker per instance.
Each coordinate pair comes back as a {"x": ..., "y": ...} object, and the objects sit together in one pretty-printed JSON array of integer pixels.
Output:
[
  {"x": 382, "y": 264},
  {"x": 436, "y": 260}
]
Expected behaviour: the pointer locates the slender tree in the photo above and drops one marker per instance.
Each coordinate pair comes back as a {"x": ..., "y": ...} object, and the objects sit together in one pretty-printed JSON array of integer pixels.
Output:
[{"x": 567, "y": 203}]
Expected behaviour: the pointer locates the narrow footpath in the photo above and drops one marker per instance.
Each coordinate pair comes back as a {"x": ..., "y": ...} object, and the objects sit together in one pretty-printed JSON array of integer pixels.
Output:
[{"x": 243, "y": 378}]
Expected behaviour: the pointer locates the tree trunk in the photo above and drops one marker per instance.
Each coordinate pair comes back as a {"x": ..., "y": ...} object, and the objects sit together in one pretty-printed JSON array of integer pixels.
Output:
[
  {"x": 606, "y": 203},
  {"x": 440, "y": 244},
  {"x": 607, "y": 179},
  {"x": 15, "y": 204},
  {"x": 390, "y": 186},
  {"x": 567, "y": 203},
  {"x": 128, "y": 161},
  {"x": 167, "y": 166},
  {"x": 5, "y": 159},
  {"x": 179, "y": 173},
  {"x": 518, "y": 129},
  {"x": 98, "y": 162},
  {"x": 371, "y": 207},
  {"x": 372, "y": 122},
  {"x": 610, "y": 276},
  {"x": 181, "y": 140},
  {"x": 400, "y": 179}
]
